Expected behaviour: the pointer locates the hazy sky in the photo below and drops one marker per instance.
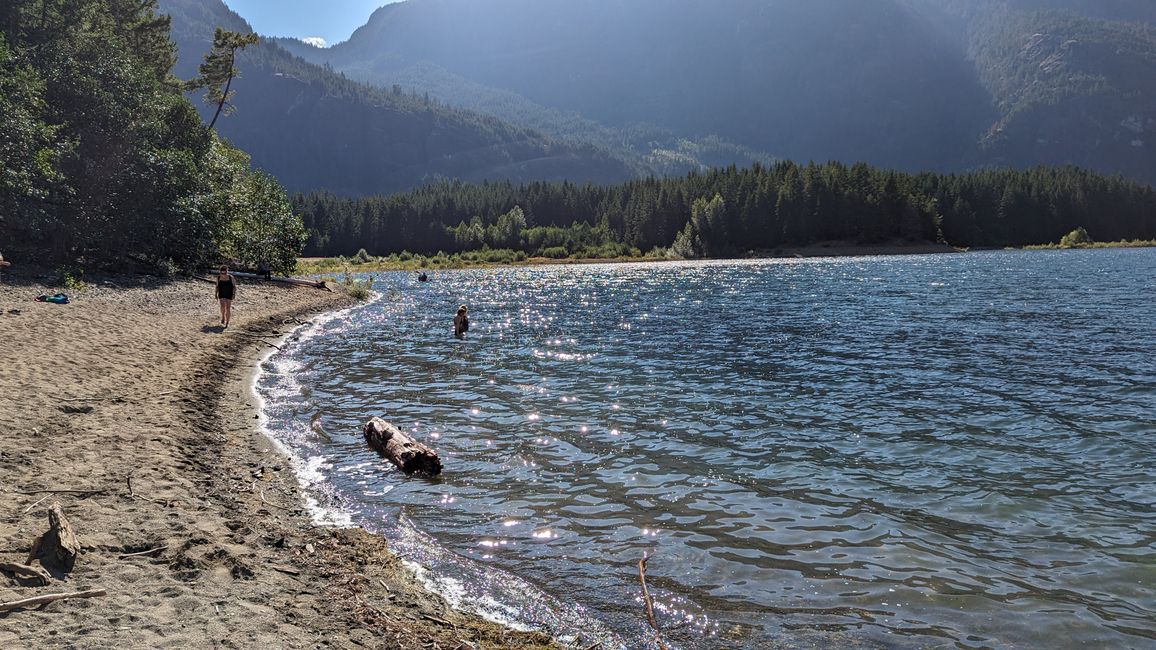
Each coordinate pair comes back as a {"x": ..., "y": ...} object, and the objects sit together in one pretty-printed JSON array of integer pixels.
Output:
[{"x": 331, "y": 20}]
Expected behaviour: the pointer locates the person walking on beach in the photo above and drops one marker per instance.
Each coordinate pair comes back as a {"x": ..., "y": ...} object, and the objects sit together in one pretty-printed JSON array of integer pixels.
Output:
[
  {"x": 226, "y": 291},
  {"x": 461, "y": 322}
]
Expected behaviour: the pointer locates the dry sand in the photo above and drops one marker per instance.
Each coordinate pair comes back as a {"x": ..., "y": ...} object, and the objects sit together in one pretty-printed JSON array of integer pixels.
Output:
[{"x": 135, "y": 395}]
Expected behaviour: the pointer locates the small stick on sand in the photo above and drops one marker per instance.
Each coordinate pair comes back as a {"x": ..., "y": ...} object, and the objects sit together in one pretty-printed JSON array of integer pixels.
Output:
[
  {"x": 437, "y": 620},
  {"x": 63, "y": 491},
  {"x": 42, "y": 499},
  {"x": 274, "y": 505},
  {"x": 649, "y": 603},
  {"x": 140, "y": 553},
  {"x": 259, "y": 338},
  {"x": 48, "y": 598}
]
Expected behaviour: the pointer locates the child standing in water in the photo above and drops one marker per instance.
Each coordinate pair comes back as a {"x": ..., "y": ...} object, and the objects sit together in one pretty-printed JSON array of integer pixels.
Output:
[
  {"x": 461, "y": 322},
  {"x": 226, "y": 291}
]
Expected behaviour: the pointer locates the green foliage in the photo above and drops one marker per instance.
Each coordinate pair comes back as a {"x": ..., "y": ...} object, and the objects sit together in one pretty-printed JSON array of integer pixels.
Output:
[
  {"x": 72, "y": 279},
  {"x": 263, "y": 227},
  {"x": 29, "y": 150},
  {"x": 705, "y": 231},
  {"x": 102, "y": 157},
  {"x": 359, "y": 289},
  {"x": 219, "y": 69},
  {"x": 1078, "y": 238}
]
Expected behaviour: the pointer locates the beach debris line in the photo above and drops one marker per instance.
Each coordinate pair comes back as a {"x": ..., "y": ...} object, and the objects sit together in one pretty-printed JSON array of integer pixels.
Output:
[
  {"x": 408, "y": 454},
  {"x": 36, "y": 601}
]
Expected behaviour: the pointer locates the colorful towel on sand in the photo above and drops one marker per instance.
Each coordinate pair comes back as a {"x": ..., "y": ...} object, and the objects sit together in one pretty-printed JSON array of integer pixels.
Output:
[{"x": 58, "y": 298}]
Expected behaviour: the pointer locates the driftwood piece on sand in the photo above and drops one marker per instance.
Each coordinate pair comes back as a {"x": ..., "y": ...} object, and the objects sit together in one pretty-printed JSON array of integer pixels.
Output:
[
  {"x": 58, "y": 547},
  {"x": 24, "y": 574},
  {"x": 48, "y": 598},
  {"x": 405, "y": 452}
]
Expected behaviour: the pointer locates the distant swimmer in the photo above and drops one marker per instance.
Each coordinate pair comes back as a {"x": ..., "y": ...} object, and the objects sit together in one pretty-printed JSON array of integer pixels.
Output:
[{"x": 461, "y": 322}]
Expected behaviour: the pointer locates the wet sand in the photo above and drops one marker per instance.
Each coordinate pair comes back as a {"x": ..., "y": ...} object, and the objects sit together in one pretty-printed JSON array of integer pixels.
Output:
[{"x": 136, "y": 402}]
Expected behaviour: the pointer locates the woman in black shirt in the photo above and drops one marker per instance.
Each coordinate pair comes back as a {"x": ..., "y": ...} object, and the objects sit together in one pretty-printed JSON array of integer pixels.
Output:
[{"x": 226, "y": 291}]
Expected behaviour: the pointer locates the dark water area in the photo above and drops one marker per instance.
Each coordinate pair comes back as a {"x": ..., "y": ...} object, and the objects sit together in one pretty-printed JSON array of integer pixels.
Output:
[{"x": 924, "y": 451}]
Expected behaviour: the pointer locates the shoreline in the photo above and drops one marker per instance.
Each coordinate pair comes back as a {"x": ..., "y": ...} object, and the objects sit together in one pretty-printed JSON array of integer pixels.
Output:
[
  {"x": 328, "y": 266},
  {"x": 130, "y": 392}
]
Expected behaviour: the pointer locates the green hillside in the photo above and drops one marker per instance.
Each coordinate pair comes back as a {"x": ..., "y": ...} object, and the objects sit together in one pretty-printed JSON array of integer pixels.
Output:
[{"x": 1069, "y": 90}]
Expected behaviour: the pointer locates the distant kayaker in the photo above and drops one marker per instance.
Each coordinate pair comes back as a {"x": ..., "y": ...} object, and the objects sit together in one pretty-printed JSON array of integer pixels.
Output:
[
  {"x": 461, "y": 322},
  {"x": 422, "y": 277}
]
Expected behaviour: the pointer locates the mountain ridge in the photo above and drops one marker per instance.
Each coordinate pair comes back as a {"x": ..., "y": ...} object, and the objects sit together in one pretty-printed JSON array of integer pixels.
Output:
[
  {"x": 903, "y": 84},
  {"x": 526, "y": 90},
  {"x": 315, "y": 129}
]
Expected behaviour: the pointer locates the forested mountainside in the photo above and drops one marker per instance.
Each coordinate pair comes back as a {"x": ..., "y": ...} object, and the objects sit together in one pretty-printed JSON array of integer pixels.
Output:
[
  {"x": 314, "y": 129},
  {"x": 651, "y": 149},
  {"x": 832, "y": 79},
  {"x": 1069, "y": 89},
  {"x": 1116, "y": 10},
  {"x": 909, "y": 84}
]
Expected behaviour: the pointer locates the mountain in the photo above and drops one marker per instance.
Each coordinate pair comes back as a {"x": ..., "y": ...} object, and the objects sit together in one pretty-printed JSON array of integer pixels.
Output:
[
  {"x": 314, "y": 129},
  {"x": 824, "y": 79},
  {"x": 943, "y": 85},
  {"x": 1069, "y": 89},
  {"x": 653, "y": 149}
]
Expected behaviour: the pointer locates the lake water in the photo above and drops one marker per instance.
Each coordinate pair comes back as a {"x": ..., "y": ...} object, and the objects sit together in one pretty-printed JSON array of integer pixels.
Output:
[{"x": 923, "y": 451}]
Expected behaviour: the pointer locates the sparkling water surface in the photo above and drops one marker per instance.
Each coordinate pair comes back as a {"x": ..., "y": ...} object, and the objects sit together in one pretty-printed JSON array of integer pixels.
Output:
[{"x": 921, "y": 451}]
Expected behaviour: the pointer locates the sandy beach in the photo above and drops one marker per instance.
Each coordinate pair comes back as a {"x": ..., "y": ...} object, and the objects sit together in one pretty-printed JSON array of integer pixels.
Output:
[{"x": 131, "y": 408}]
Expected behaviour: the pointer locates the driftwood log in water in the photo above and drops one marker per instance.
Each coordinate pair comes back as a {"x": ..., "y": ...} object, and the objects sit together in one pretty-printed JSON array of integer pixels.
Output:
[{"x": 405, "y": 452}]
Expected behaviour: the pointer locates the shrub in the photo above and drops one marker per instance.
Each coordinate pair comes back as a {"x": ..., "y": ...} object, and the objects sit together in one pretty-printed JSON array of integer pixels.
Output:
[
  {"x": 1078, "y": 238},
  {"x": 359, "y": 290},
  {"x": 73, "y": 279},
  {"x": 556, "y": 253}
]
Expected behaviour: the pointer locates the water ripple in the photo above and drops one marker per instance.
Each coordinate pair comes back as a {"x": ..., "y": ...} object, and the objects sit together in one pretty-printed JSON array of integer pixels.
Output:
[{"x": 900, "y": 452}]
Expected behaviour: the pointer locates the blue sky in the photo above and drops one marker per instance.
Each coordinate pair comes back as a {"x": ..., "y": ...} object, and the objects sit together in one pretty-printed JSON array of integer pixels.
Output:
[{"x": 331, "y": 20}]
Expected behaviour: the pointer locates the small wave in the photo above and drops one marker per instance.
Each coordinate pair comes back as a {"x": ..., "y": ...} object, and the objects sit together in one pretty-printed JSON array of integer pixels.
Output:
[
  {"x": 494, "y": 594},
  {"x": 275, "y": 385}
]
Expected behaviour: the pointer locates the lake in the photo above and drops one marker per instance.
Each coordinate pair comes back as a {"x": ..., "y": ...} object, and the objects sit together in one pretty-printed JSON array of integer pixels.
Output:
[{"x": 912, "y": 451}]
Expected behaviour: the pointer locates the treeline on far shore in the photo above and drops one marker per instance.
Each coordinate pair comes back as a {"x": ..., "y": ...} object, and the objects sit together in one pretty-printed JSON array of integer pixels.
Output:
[{"x": 732, "y": 211}]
